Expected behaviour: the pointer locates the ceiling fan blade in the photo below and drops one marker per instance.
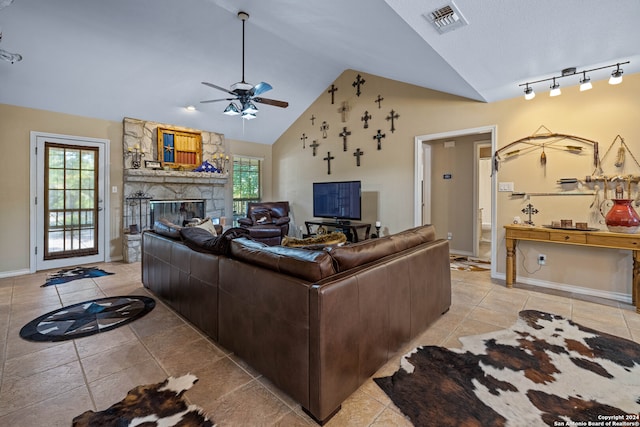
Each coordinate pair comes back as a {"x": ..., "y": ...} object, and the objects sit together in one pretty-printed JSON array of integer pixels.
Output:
[
  {"x": 261, "y": 87},
  {"x": 217, "y": 87},
  {"x": 217, "y": 100},
  {"x": 274, "y": 102}
]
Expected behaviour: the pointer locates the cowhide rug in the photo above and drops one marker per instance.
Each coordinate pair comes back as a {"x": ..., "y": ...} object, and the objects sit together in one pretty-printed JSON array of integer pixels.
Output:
[
  {"x": 543, "y": 370},
  {"x": 155, "y": 405}
]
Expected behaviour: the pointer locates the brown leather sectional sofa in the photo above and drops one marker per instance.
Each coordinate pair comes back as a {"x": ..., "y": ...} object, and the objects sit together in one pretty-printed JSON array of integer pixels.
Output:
[{"x": 318, "y": 324}]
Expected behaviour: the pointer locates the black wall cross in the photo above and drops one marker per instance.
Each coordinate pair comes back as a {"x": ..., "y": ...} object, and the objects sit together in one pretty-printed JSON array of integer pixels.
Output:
[
  {"x": 366, "y": 119},
  {"x": 328, "y": 159},
  {"x": 358, "y": 153},
  {"x": 313, "y": 120},
  {"x": 379, "y": 136},
  {"x": 392, "y": 116},
  {"x": 303, "y": 138},
  {"x": 344, "y": 111},
  {"x": 357, "y": 83},
  {"x": 379, "y": 101},
  {"x": 324, "y": 128},
  {"x": 332, "y": 91},
  {"x": 344, "y": 134},
  {"x": 314, "y": 145}
]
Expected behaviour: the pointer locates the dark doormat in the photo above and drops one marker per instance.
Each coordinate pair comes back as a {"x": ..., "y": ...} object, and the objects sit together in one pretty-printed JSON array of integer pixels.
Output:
[
  {"x": 87, "y": 318},
  {"x": 69, "y": 274}
]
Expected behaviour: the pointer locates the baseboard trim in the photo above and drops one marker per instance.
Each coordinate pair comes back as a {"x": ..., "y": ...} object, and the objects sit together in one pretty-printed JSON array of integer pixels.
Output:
[
  {"x": 615, "y": 296},
  {"x": 4, "y": 274}
]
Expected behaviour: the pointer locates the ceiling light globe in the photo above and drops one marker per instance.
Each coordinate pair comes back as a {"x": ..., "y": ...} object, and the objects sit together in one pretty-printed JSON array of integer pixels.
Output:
[{"x": 616, "y": 77}]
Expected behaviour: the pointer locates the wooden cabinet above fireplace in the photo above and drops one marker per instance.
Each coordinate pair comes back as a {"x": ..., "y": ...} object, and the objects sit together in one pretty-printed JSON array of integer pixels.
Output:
[{"x": 179, "y": 148}]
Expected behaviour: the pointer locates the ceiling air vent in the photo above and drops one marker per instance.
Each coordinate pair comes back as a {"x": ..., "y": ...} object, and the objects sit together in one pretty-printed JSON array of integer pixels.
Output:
[{"x": 447, "y": 18}]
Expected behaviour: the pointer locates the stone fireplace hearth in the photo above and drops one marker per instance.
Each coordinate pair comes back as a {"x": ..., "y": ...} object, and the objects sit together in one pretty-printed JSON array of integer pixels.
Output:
[{"x": 213, "y": 188}]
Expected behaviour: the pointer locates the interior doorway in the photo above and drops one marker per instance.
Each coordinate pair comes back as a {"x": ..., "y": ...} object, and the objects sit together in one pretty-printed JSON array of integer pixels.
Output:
[
  {"x": 483, "y": 156},
  {"x": 68, "y": 188},
  {"x": 429, "y": 181}
]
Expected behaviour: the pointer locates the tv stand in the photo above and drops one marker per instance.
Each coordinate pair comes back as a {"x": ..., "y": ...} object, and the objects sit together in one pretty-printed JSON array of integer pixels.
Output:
[{"x": 349, "y": 228}]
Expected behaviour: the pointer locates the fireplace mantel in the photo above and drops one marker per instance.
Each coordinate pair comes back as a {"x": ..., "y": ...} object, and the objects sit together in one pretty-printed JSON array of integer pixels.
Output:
[{"x": 174, "y": 177}]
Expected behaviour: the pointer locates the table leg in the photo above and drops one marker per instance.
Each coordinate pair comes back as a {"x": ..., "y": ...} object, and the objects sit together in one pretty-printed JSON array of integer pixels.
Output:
[
  {"x": 511, "y": 261},
  {"x": 635, "y": 282}
]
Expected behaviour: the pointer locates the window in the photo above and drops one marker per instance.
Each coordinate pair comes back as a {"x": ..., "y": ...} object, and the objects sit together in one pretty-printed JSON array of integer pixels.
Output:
[{"x": 246, "y": 184}]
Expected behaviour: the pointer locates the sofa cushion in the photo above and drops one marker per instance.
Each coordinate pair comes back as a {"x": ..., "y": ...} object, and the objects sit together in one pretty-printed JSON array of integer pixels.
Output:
[
  {"x": 304, "y": 264},
  {"x": 205, "y": 224},
  {"x": 366, "y": 251},
  {"x": 262, "y": 216}
]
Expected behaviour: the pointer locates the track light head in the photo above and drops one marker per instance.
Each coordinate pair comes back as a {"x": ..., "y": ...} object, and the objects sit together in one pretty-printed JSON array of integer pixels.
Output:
[
  {"x": 529, "y": 94},
  {"x": 555, "y": 88},
  {"x": 585, "y": 82},
  {"x": 616, "y": 76}
]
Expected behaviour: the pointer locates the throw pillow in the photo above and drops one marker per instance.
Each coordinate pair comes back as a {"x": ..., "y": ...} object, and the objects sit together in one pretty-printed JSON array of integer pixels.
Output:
[{"x": 205, "y": 224}]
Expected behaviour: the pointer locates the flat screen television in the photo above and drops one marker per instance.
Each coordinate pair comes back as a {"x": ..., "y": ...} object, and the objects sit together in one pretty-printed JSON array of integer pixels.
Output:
[{"x": 338, "y": 200}]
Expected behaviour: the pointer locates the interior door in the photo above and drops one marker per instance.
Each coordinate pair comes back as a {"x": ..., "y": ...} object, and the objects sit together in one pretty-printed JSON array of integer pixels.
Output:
[{"x": 69, "y": 202}]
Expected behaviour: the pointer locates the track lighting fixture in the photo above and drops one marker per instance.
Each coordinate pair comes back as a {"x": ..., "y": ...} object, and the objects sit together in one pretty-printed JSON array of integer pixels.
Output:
[
  {"x": 555, "y": 88},
  {"x": 616, "y": 76},
  {"x": 585, "y": 81},
  {"x": 529, "y": 93}
]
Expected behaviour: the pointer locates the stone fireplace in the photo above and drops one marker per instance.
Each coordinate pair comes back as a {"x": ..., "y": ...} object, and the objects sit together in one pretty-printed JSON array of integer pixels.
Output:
[{"x": 168, "y": 185}]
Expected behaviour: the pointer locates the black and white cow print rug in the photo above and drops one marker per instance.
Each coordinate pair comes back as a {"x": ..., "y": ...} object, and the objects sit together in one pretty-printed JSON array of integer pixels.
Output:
[
  {"x": 159, "y": 405},
  {"x": 544, "y": 370}
]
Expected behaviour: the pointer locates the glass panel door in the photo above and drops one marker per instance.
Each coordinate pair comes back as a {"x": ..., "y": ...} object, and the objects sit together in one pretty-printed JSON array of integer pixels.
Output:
[{"x": 70, "y": 201}]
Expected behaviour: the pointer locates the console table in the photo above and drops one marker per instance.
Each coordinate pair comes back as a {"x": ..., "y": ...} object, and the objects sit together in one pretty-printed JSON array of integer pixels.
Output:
[
  {"x": 349, "y": 228},
  {"x": 596, "y": 239}
]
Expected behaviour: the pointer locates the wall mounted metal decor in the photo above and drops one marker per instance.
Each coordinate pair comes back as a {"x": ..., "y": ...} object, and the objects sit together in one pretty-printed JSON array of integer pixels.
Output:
[
  {"x": 392, "y": 116},
  {"x": 332, "y": 91},
  {"x": 379, "y": 136},
  {"x": 324, "y": 127},
  {"x": 357, "y": 83},
  {"x": 314, "y": 145},
  {"x": 344, "y": 134},
  {"x": 328, "y": 159},
  {"x": 313, "y": 120},
  {"x": 303, "y": 138},
  {"x": 344, "y": 111},
  {"x": 379, "y": 100},
  {"x": 366, "y": 119},
  {"x": 357, "y": 154}
]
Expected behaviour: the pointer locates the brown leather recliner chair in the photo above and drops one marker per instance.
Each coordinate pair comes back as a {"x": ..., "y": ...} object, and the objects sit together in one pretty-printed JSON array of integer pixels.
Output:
[{"x": 267, "y": 222}]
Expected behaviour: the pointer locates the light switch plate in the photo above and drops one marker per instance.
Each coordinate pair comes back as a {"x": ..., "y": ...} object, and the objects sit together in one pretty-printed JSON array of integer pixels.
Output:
[{"x": 505, "y": 186}]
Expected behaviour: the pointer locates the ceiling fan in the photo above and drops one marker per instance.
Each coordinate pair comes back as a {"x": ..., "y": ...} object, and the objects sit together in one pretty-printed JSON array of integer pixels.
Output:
[{"x": 243, "y": 92}]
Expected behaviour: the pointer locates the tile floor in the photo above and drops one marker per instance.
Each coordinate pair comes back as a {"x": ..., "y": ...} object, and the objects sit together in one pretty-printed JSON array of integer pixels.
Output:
[{"x": 50, "y": 383}]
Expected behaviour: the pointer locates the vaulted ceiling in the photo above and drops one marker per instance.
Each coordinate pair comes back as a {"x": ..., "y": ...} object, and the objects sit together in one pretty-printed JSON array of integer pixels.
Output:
[{"x": 146, "y": 58}]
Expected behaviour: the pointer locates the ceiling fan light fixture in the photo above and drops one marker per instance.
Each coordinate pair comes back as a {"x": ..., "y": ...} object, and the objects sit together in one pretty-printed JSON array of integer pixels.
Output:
[
  {"x": 248, "y": 116},
  {"x": 250, "y": 108},
  {"x": 231, "y": 110}
]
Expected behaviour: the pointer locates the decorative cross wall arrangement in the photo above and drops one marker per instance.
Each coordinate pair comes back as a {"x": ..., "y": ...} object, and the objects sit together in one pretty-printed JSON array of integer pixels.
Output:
[
  {"x": 379, "y": 136},
  {"x": 332, "y": 91},
  {"x": 324, "y": 128},
  {"x": 358, "y": 82},
  {"x": 366, "y": 119},
  {"x": 314, "y": 145},
  {"x": 344, "y": 134},
  {"x": 303, "y": 138},
  {"x": 358, "y": 153},
  {"x": 328, "y": 159},
  {"x": 392, "y": 116}
]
